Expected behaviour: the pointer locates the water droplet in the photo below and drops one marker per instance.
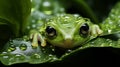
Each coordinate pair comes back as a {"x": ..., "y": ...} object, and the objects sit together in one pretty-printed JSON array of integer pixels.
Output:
[
  {"x": 67, "y": 17},
  {"x": 19, "y": 57},
  {"x": 68, "y": 51},
  {"x": 33, "y": 26},
  {"x": 103, "y": 44},
  {"x": 110, "y": 22},
  {"x": 33, "y": 21},
  {"x": 66, "y": 54},
  {"x": 92, "y": 42},
  {"x": 4, "y": 53},
  {"x": 36, "y": 56},
  {"x": 5, "y": 57},
  {"x": 11, "y": 48},
  {"x": 53, "y": 49},
  {"x": 54, "y": 58},
  {"x": 28, "y": 27},
  {"x": 50, "y": 55},
  {"x": 44, "y": 51},
  {"x": 26, "y": 38},
  {"x": 110, "y": 44},
  {"x": 23, "y": 47},
  {"x": 109, "y": 31},
  {"x": 76, "y": 15},
  {"x": 32, "y": 9},
  {"x": 46, "y": 4}
]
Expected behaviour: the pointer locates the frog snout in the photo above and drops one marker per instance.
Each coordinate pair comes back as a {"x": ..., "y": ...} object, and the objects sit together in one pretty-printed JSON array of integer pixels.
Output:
[{"x": 68, "y": 43}]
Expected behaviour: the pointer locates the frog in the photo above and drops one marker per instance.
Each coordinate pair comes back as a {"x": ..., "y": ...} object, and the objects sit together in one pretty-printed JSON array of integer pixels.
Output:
[
  {"x": 71, "y": 32},
  {"x": 66, "y": 31}
]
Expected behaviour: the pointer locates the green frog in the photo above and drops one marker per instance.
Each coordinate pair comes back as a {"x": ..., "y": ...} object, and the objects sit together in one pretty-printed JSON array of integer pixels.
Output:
[
  {"x": 51, "y": 27},
  {"x": 66, "y": 31}
]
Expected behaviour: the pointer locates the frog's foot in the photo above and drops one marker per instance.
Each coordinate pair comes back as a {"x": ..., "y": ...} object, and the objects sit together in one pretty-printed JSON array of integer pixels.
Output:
[
  {"x": 36, "y": 39},
  {"x": 95, "y": 31}
]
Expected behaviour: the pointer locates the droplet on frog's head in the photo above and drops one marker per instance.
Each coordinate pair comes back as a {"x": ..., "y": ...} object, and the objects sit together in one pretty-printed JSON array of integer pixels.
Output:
[
  {"x": 11, "y": 48},
  {"x": 23, "y": 47}
]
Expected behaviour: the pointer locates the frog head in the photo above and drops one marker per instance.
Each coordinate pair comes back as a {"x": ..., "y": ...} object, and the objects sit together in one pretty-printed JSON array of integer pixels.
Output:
[{"x": 68, "y": 31}]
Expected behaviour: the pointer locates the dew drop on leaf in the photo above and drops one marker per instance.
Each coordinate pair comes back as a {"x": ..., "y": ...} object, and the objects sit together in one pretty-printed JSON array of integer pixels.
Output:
[
  {"x": 28, "y": 27},
  {"x": 53, "y": 49},
  {"x": 50, "y": 55},
  {"x": 68, "y": 51},
  {"x": 5, "y": 57},
  {"x": 54, "y": 58},
  {"x": 109, "y": 31},
  {"x": 33, "y": 26},
  {"x": 36, "y": 56},
  {"x": 23, "y": 47},
  {"x": 33, "y": 21},
  {"x": 11, "y": 48},
  {"x": 19, "y": 57}
]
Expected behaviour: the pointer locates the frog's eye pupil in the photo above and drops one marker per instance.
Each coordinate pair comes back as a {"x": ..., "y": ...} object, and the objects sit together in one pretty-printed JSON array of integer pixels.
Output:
[
  {"x": 84, "y": 29},
  {"x": 50, "y": 31}
]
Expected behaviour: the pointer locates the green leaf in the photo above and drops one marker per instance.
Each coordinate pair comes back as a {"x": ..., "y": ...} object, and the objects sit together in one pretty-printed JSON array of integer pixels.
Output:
[
  {"x": 112, "y": 24},
  {"x": 15, "y": 12},
  {"x": 20, "y": 51},
  {"x": 103, "y": 42}
]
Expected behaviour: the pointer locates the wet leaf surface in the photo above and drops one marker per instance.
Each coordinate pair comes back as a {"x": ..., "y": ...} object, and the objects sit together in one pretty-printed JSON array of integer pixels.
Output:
[{"x": 111, "y": 25}]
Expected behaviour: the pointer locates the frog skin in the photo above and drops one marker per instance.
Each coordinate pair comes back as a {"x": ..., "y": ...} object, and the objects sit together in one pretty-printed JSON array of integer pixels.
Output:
[{"x": 66, "y": 31}]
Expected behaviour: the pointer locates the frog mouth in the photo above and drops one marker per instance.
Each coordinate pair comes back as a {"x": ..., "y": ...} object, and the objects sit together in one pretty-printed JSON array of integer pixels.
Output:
[{"x": 68, "y": 43}]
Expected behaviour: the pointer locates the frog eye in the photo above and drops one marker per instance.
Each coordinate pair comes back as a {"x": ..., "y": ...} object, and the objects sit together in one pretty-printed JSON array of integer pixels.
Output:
[
  {"x": 50, "y": 31},
  {"x": 84, "y": 29}
]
